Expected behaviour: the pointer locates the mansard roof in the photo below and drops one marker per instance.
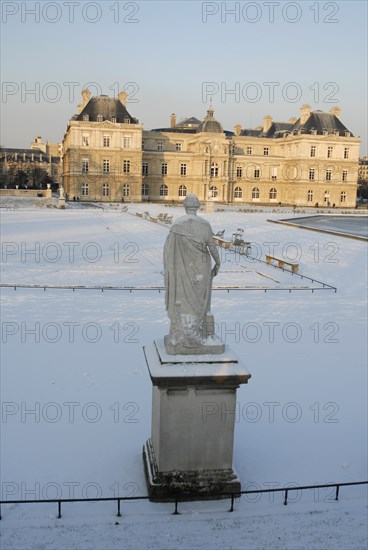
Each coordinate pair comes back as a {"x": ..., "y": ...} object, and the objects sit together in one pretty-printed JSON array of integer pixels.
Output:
[
  {"x": 107, "y": 107},
  {"x": 176, "y": 130},
  {"x": 322, "y": 122},
  {"x": 318, "y": 122},
  {"x": 192, "y": 121}
]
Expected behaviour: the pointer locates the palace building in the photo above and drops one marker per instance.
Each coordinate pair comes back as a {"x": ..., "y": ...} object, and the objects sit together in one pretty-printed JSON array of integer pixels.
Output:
[{"x": 309, "y": 161}]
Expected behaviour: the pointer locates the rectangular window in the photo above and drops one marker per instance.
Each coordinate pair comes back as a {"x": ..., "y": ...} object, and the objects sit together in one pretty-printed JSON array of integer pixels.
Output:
[
  {"x": 85, "y": 165},
  {"x": 126, "y": 166},
  {"x": 85, "y": 141},
  {"x": 249, "y": 150},
  {"x": 178, "y": 146},
  {"x": 164, "y": 169},
  {"x": 106, "y": 166},
  {"x": 160, "y": 146},
  {"x": 266, "y": 151},
  {"x": 311, "y": 173},
  {"x": 126, "y": 142},
  {"x": 106, "y": 141},
  {"x": 328, "y": 175},
  {"x": 344, "y": 175},
  {"x": 183, "y": 169},
  {"x": 144, "y": 168},
  {"x": 239, "y": 171},
  {"x": 329, "y": 151},
  {"x": 346, "y": 152},
  {"x": 256, "y": 172},
  {"x": 313, "y": 150}
]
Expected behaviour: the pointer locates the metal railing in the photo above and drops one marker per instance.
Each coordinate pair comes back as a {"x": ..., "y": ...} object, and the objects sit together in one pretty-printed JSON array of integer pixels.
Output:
[{"x": 188, "y": 498}]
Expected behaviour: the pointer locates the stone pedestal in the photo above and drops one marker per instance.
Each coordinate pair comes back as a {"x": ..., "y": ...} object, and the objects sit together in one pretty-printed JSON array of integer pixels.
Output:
[{"x": 190, "y": 452}]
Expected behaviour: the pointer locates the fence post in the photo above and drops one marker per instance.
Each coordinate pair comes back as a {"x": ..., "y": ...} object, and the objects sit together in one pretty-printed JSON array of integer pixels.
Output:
[
  {"x": 119, "y": 513},
  {"x": 59, "y": 509},
  {"x": 176, "y": 507},
  {"x": 232, "y": 503},
  {"x": 286, "y": 495},
  {"x": 337, "y": 492}
]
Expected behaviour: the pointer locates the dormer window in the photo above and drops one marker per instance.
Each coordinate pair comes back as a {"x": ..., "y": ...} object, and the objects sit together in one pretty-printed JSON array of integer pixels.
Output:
[
  {"x": 113, "y": 119},
  {"x": 99, "y": 118},
  {"x": 336, "y": 133},
  {"x": 85, "y": 118},
  {"x": 313, "y": 131},
  {"x": 325, "y": 132},
  {"x": 347, "y": 134},
  {"x": 126, "y": 120}
]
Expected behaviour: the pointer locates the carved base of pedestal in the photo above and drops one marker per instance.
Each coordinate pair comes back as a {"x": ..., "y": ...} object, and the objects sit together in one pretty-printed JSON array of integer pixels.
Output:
[
  {"x": 190, "y": 485},
  {"x": 212, "y": 346}
]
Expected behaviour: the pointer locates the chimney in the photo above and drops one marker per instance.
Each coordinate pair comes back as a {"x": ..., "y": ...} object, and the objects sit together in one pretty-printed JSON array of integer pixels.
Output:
[
  {"x": 173, "y": 120},
  {"x": 86, "y": 96},
  {"x": 305, "y": 112},
  {"x": 267, "y": 121},
  {"x": 237, "y": 129},
  {"x": 335, "y": 111},
  {"x": 123, "y": 97}
]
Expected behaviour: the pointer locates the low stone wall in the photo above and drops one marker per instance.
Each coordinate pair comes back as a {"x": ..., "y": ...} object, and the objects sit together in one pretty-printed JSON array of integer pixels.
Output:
[{"x": 46, "y": 193}]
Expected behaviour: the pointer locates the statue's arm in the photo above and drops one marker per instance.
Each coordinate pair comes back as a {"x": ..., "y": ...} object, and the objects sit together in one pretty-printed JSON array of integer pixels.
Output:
[{"x": 215, "y": 255}]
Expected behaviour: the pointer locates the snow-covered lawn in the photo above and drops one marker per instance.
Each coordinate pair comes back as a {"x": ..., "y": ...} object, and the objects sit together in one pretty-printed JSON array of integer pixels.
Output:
[{"x": 75, "y": 359}]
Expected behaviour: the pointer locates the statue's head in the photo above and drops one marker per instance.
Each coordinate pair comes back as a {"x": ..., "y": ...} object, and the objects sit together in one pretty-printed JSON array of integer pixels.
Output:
[{"x": 191, "y": 204}]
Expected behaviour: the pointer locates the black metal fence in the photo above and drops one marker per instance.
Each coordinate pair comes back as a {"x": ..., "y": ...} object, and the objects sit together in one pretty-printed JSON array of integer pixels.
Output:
[{"x": 176, "y": 500}]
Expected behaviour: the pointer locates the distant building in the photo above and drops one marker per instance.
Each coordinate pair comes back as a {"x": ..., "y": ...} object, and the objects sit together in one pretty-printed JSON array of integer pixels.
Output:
[
  {"x": 363, "y": 169},
  {"x": 14, "y": 161},
  {"x": 304, "y": 162}
]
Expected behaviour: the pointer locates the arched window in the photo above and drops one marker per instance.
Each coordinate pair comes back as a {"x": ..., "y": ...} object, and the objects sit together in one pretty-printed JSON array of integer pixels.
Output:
[
  {"x": 126, "y": 190},
  {"x": 144, "y": 190},
  {"x": 238, "y": 193},
  {"x": 182, "y": 191},
  {"x": 273, "y": 194},
  {"x": 105, "y": 190},
  {"x": 99, "y": 118},
  {"x": 213, "y": 192},
  {"x": 310, "y": 195},
  {"x": 214, "y": 170},
  {"x": 85, "y": 190},
  {"x": 343, "y": 196},
  {"x": 255, "y": 193},
  {"x": 257, "y": 172},
  {"x": 164, "y": 190}
]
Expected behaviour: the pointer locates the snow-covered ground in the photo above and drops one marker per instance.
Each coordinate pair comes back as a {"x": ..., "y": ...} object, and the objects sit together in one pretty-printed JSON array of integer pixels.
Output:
[{"x": 75, "y": 359}]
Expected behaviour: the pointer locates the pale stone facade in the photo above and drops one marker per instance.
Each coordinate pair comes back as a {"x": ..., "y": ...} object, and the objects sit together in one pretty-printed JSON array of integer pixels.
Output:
[
  {"x": 40, "y": 155},
  {"x": 307, "y": 161}
]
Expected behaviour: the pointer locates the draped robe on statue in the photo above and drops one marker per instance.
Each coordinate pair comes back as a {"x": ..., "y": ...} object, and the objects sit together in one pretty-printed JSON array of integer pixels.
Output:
[{"x": 188, "y": 280}]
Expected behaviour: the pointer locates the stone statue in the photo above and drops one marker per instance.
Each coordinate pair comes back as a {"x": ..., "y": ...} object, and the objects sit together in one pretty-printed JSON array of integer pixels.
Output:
[{"x": 188, "y": 283}]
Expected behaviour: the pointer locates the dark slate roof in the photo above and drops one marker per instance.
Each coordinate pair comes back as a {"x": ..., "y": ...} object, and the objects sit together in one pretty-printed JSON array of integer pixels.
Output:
[
  {"x": 193, "y": 121},
  {"x": 175, "y": 130},
  {"x": 320, "y": 121},
  {"x": 250, "y": 132},
  {"x": 108, "y": 107},
  {"x": 210, "y": 124}
]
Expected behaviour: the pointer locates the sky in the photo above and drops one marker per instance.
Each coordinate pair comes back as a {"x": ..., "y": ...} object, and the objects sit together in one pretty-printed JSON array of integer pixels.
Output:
[{"x": 250, "y": 58}]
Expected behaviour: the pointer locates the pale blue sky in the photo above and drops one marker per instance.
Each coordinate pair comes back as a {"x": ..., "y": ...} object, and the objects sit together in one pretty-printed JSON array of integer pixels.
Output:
[{"x": 172, "y": 51}]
